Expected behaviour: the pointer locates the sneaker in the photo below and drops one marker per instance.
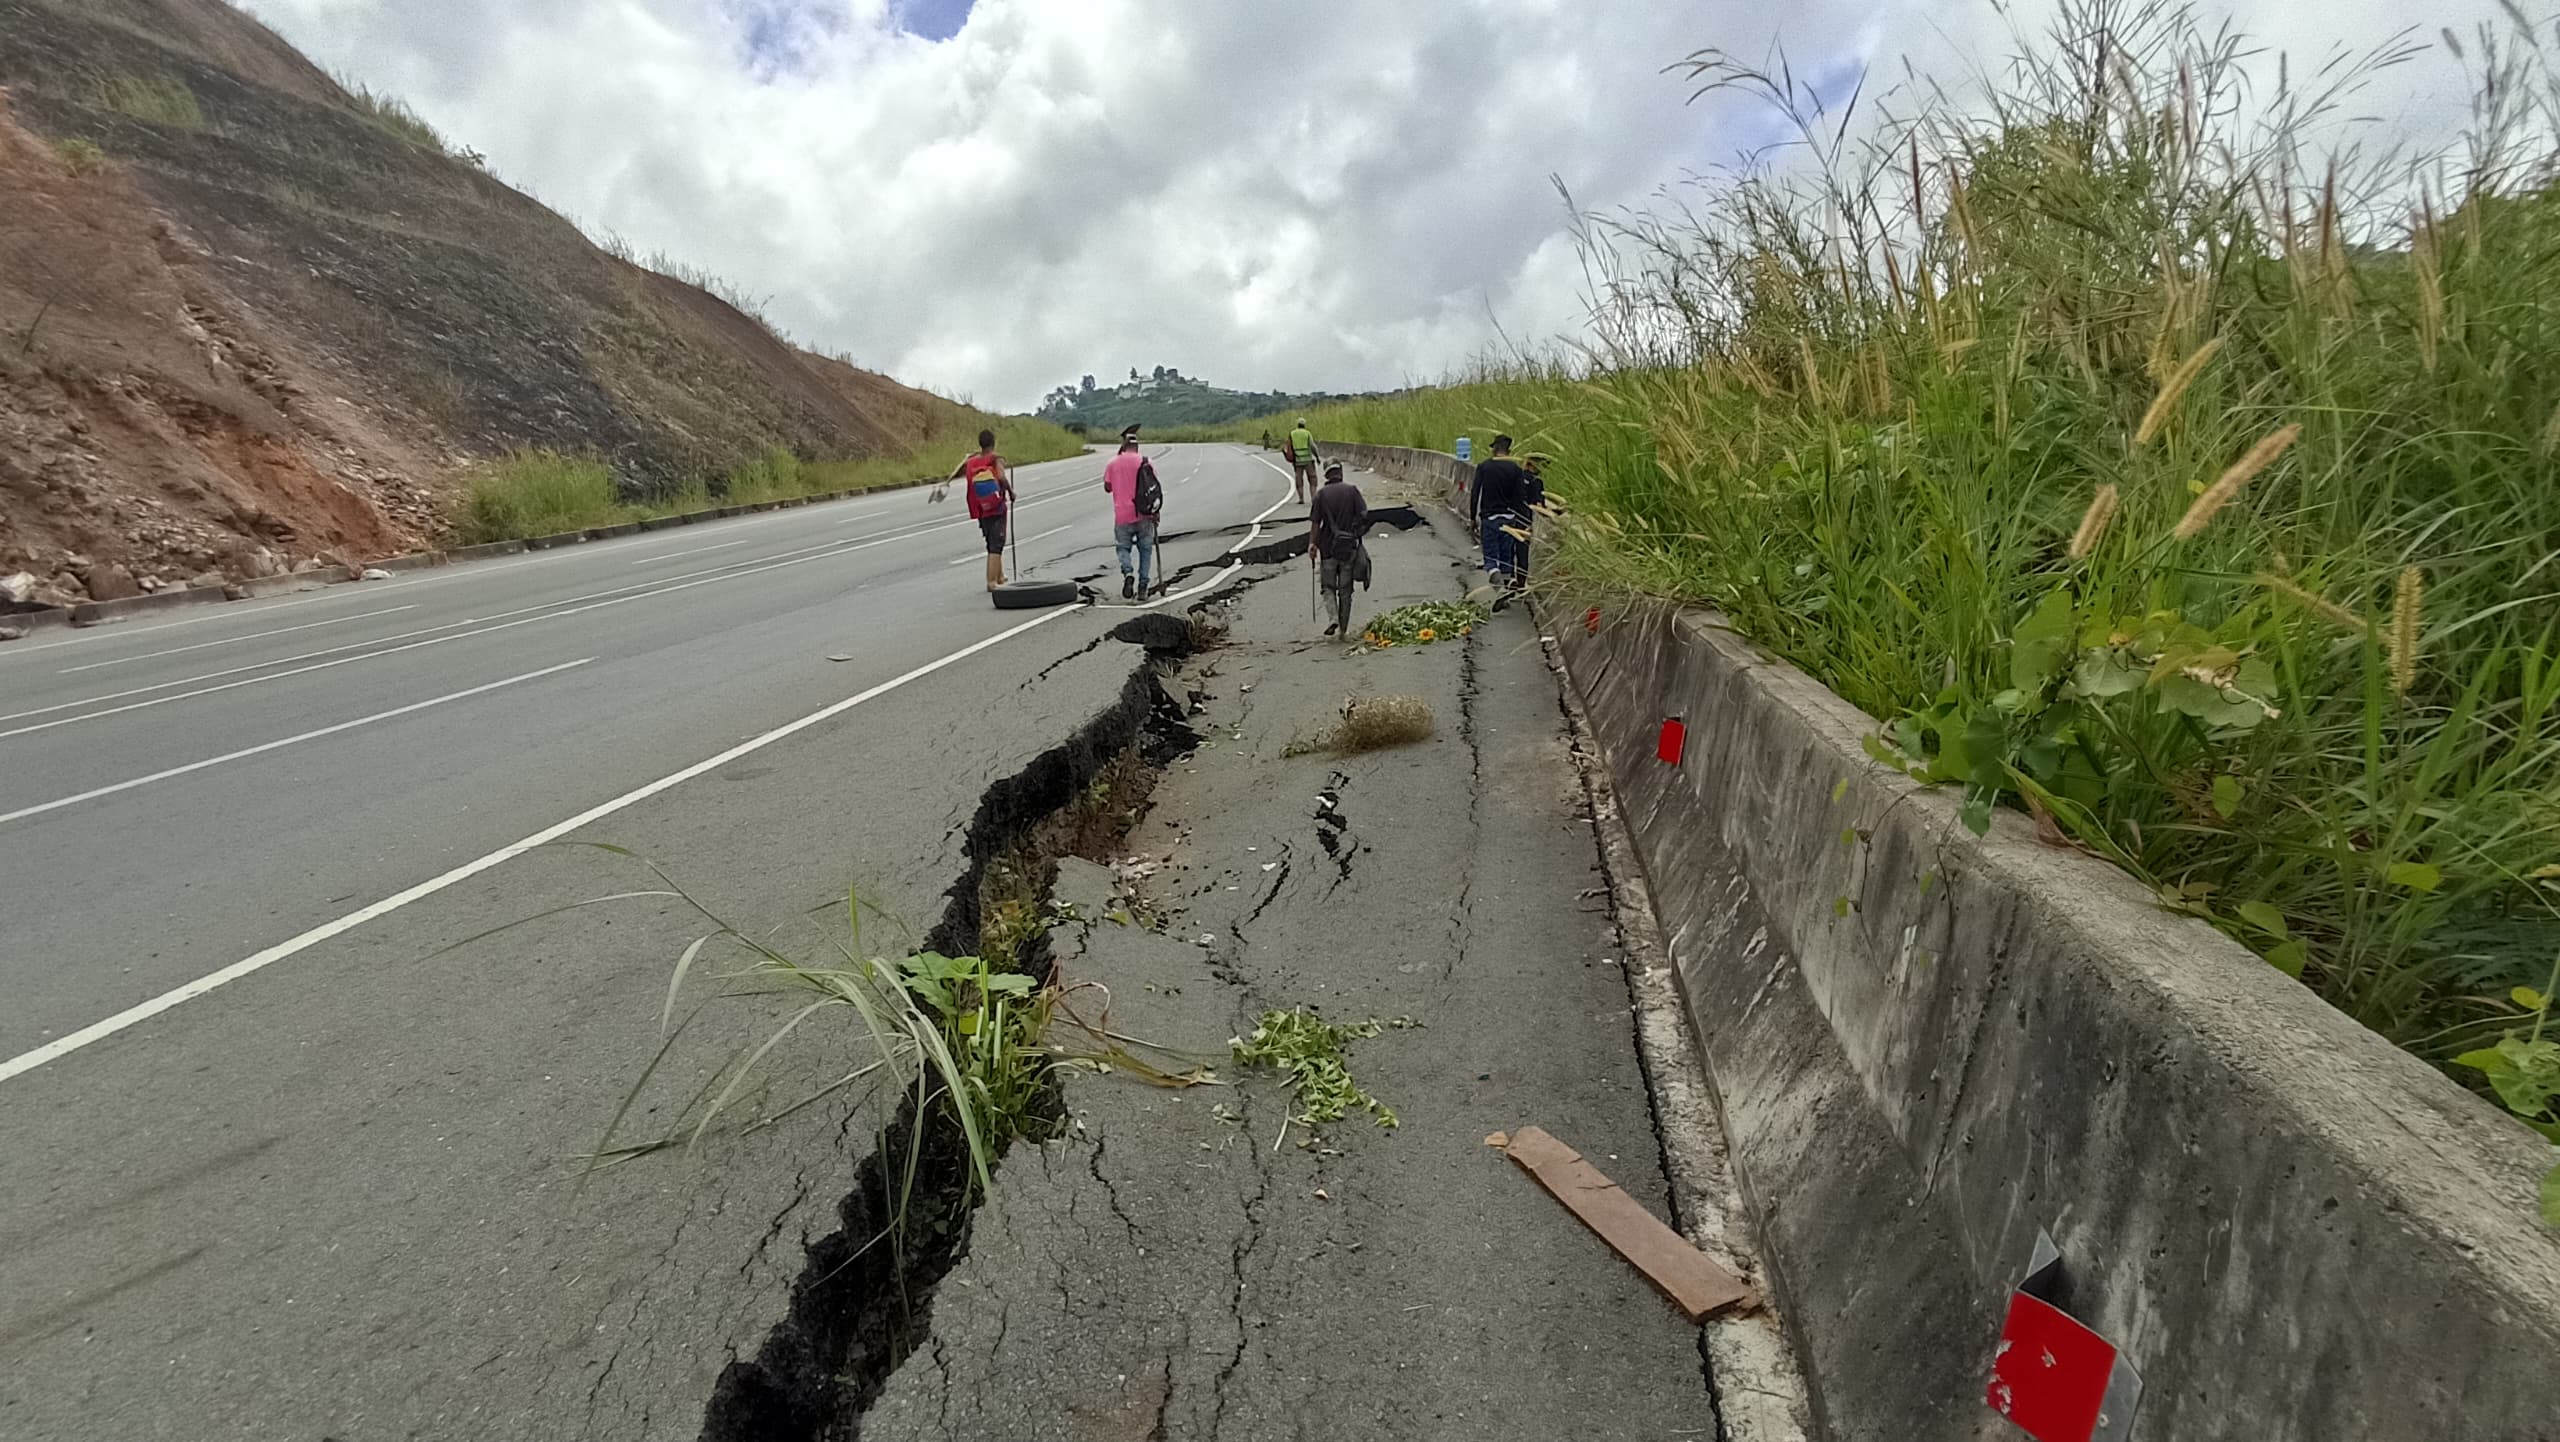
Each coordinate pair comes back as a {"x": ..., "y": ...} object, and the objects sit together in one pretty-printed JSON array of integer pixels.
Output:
[
  {"x": 1128, "y": 587},
  {"x": 1333, "y": 630}
]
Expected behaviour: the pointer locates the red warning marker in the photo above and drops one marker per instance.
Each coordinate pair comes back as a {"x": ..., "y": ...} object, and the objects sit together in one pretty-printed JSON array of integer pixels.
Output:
[
  {"x": 2054, "y": 1377},
  {"x": 1674, "y": 742}
]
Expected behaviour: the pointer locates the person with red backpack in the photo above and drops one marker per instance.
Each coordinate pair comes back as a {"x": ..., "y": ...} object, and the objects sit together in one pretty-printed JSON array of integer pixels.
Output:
[
  {"x": 1137, "y": 502},
  {"x": 989, "y": 491}
]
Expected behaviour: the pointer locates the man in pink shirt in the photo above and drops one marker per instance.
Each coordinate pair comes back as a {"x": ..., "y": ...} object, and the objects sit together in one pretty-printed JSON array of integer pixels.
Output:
[{"x": 1137, "y": 499}]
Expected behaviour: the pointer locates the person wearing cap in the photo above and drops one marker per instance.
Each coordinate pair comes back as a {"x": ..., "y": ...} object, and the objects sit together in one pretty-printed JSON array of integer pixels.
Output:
[
  {"x": 1336, "y": 521},
  {"x": 1499, "y": 502},
  {"x": 1302, "y": 460}
]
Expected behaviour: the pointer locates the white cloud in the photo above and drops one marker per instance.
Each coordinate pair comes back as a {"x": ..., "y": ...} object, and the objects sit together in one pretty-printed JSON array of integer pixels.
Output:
[{"x": 1323, "y": 195}]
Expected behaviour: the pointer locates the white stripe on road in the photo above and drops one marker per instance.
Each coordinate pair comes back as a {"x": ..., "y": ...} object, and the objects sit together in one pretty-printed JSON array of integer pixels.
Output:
[
  {"x": 1252, "y": 533},
  {"x": 696, "y": 551},
  {"x": 88, "y": 1035},
  {"x": 23, "y": 812},
  {"x": 236, "y": 640},
  {"x": 1027, "y": 540},
  {"x": 639, "y": 591},
  {"x": 341, "y": 592}
]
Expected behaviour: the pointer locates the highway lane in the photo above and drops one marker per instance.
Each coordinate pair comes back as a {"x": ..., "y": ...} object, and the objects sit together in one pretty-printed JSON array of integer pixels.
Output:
[
  {"x": 539, "y": 681},
  {"x": 330, "y": 1197}
]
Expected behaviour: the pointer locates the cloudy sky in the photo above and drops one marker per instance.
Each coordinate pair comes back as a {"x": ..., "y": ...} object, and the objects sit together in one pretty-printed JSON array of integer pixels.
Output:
[{"x": 994, "y": 198}]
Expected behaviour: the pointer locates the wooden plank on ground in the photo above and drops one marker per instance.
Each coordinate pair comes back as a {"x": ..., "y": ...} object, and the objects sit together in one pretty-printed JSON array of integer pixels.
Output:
[{"x": 1691, "y": 1279}]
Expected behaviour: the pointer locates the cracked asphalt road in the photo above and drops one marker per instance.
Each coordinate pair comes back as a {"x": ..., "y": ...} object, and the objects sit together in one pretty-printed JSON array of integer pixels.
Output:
[
  {"x": 1163, "y": 1271},
  {"x": 342, "y": 1197}
]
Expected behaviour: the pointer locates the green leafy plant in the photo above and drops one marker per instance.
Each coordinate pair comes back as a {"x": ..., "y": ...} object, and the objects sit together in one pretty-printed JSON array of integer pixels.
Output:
[
  {"x": 1424, "y": 622},
  {"x": 1309, "y": 1050},
  {"x": 2523, "y": 1071}
]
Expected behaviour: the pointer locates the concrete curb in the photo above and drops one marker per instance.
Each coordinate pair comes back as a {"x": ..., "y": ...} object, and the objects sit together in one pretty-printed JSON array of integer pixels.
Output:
[
  {"x": 100, "y": 613},
  {"x": 1927, "y": 1046}
]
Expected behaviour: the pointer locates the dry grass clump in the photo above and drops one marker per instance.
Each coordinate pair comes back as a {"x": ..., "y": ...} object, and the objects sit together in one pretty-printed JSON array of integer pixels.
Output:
[{"x": 1373, "y": 723}]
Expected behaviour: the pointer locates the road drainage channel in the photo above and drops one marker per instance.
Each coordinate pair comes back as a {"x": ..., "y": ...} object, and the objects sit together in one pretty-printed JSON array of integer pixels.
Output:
[{"x": 864, "y": 1299}]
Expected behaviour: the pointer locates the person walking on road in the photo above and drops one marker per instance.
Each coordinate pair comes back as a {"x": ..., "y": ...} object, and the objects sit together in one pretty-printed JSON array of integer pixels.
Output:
[
  {"x": 1499, "y": 506},
  {"x": 1137, "y": 503},
  {"x": 1302, "y": 461},
  {"x": 989, "y": 490},
  {"x": 1335, "y": 524}
]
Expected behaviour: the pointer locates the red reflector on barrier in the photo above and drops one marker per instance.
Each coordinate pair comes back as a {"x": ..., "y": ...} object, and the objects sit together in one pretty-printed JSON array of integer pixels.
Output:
[
  {"x": 1675, "y": 740},
  {"x": 2050, "y": 1375}
]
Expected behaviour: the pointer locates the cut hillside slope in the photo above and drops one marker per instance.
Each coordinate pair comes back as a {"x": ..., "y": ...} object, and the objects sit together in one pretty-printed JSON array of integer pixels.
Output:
[{"x": 248, "y": 318}]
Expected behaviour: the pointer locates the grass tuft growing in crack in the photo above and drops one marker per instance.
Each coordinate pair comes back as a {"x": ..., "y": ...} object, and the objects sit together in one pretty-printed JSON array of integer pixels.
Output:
[
  {"x": 1309, "y": 1050},
  {"x": 1371, "y": 723}
]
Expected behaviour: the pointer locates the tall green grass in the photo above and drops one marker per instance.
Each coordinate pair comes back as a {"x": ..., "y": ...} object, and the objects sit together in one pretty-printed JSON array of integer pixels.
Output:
[
  {"x": 2134, "y": 465},
  {"x": 535, "y": 493},
  {"x": 152, "y": 99},
  {"x": 543, "y": 493}
]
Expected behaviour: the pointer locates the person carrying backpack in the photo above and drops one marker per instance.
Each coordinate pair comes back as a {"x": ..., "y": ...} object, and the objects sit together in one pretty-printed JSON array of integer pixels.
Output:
[
  {"x": 1137, "y": 501},
  {"x": 989, "y": 491},
  {"x": 1335, "y": 524}
]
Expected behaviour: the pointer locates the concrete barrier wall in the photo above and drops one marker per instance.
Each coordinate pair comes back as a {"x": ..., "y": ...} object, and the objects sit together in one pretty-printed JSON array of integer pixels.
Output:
[{"x": 1928, "y": 1045}]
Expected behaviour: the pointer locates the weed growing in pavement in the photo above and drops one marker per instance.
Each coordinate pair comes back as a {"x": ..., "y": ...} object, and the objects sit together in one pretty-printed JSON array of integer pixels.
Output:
[
  {"x": 1309, "y": 1050},
  {"x": 2136, "y": 467},
  {"x": 1371, "y": 723}
]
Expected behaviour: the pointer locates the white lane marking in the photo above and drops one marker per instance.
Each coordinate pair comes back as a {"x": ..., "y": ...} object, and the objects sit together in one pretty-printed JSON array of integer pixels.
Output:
[
  {"x": 236, "y": 640},
  {"x": 1026, "y": 540},
  {"x": 344, "y": 591},
  {"x": 696, "y": 551},
  {"x": 335, "y": 591},
  {"x": 23, "y": 812},
  {"x": 1021, "y": 499},
  {"x": 1252, "y": 533},
  {"x": 98, "y": 1031},
  {"x": 639, "y": 591}
]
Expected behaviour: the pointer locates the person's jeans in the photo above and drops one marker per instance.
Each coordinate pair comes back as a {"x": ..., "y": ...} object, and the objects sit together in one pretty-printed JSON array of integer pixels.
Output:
[
  {"x": 1139, "y": 534},
  {"x": 1506, "y": 556}
]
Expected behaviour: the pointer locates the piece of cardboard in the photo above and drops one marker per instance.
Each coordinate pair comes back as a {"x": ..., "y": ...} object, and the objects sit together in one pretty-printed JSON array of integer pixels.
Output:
[{"x": 1693, "y": 1282}]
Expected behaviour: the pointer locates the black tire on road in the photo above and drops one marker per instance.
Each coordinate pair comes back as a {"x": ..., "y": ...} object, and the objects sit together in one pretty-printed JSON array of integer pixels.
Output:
[{"x": 1035, "y": 595}]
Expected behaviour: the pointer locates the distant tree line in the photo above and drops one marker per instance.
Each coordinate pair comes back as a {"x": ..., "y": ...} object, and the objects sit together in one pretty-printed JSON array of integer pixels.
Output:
[{"x": 1165, "y": 397}]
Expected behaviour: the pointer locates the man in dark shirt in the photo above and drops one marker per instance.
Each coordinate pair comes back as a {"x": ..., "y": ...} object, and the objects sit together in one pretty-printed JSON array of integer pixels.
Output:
[
  {"x": 1336, "y": 521},
  {"x": 1499, "y": 505}
]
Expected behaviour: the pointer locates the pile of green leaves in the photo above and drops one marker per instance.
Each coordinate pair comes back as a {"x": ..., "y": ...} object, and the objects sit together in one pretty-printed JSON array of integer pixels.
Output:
[
  {"x": 1309, "y": 1050},
  {"x": 1424, "y": 622}
]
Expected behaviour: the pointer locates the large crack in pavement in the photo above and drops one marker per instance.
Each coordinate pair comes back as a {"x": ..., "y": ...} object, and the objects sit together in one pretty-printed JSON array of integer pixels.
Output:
[{"x": 862, "y": 1301}]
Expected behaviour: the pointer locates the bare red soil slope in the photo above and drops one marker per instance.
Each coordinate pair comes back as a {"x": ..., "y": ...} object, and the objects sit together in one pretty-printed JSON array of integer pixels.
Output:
[{"x": 247, "y": 319}]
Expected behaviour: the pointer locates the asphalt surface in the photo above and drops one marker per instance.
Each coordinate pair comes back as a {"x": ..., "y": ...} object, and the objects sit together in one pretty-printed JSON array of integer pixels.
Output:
[
  {"x": 288, "y": 1147},
  {"x": 1193, "y": 1264}
]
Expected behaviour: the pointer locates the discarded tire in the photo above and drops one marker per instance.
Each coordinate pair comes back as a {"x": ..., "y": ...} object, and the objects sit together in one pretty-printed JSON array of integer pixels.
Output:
[{"x": 1036, "y": 595}]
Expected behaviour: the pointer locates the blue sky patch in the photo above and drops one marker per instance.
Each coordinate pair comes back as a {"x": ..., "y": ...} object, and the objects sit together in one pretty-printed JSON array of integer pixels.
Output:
[{"x": 933, "y": 19}]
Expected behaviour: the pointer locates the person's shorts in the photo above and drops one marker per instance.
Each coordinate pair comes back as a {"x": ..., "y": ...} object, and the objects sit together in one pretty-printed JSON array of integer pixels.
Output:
[{"x": 993, "y": 527}]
